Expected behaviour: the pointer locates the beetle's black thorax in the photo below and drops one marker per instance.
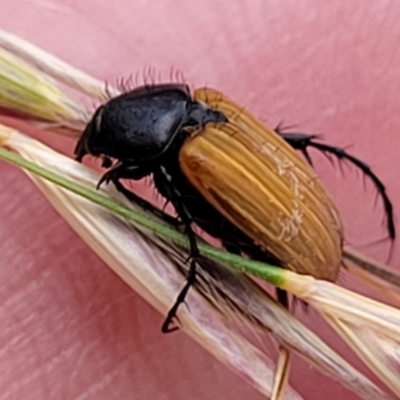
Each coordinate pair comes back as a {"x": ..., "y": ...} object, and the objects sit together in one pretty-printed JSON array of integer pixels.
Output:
[{"x": 142, "y": 125}]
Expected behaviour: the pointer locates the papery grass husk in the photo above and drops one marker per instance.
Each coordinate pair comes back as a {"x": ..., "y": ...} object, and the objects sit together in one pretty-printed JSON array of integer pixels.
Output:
[
  {"x": 55, "y": 68},
  {"x": 33, "y": 95},
  {"x": 332, "y": 309},
  {"x": 371, "y": 328},
  {"x": 376, "y": 270},
  {"x": 155, "y": 268}
]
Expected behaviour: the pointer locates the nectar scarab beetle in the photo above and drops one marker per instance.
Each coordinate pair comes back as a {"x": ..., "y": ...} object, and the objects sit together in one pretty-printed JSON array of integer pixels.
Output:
[{"x": 225, "y": 171}]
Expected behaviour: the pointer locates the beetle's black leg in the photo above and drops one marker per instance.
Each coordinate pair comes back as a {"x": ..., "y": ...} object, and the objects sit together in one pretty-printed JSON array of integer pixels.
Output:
[
  {"x": 122, "y": 171},
  {"x": 190, "y": 281},
  {"x": 191, "y": 278},
  {"x": 165, "y": 184},
  {"x": 282, "y": 296},
  {"x": 301, "y": 141}
]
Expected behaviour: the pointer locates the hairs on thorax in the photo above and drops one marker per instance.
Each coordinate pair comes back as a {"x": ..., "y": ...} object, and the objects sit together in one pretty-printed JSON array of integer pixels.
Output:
[{"x": 148, "y": 77}]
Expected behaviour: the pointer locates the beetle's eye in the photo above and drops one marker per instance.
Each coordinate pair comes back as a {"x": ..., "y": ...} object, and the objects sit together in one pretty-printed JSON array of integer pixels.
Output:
[{"x": 97, "y": 119}]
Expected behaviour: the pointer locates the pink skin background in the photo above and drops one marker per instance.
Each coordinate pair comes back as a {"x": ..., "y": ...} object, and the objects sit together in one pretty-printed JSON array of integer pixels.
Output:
[{"x": 70, "y": 328}]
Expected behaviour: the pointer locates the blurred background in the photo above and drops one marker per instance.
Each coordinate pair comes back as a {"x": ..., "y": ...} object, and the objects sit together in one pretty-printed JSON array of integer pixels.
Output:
[{"x": 70, "y": 328}]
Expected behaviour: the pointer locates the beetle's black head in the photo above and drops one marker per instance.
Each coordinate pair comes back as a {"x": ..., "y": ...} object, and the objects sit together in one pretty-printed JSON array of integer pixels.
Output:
[
  {"x": 85, "y": 143},
  {"x": 141, "y": 125}
]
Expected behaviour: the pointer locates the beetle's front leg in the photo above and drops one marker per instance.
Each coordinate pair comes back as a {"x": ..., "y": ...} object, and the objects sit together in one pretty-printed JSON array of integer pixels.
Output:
[{"x": 123, "y": 171}]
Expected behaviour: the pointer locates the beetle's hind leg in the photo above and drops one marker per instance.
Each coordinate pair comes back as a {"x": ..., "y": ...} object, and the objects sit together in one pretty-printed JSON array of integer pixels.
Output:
[{"x": 302, "y": 141}]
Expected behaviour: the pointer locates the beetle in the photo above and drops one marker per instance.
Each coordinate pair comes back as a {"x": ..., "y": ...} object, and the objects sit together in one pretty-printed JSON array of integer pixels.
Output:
[{"x": 213, "y": 161}]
